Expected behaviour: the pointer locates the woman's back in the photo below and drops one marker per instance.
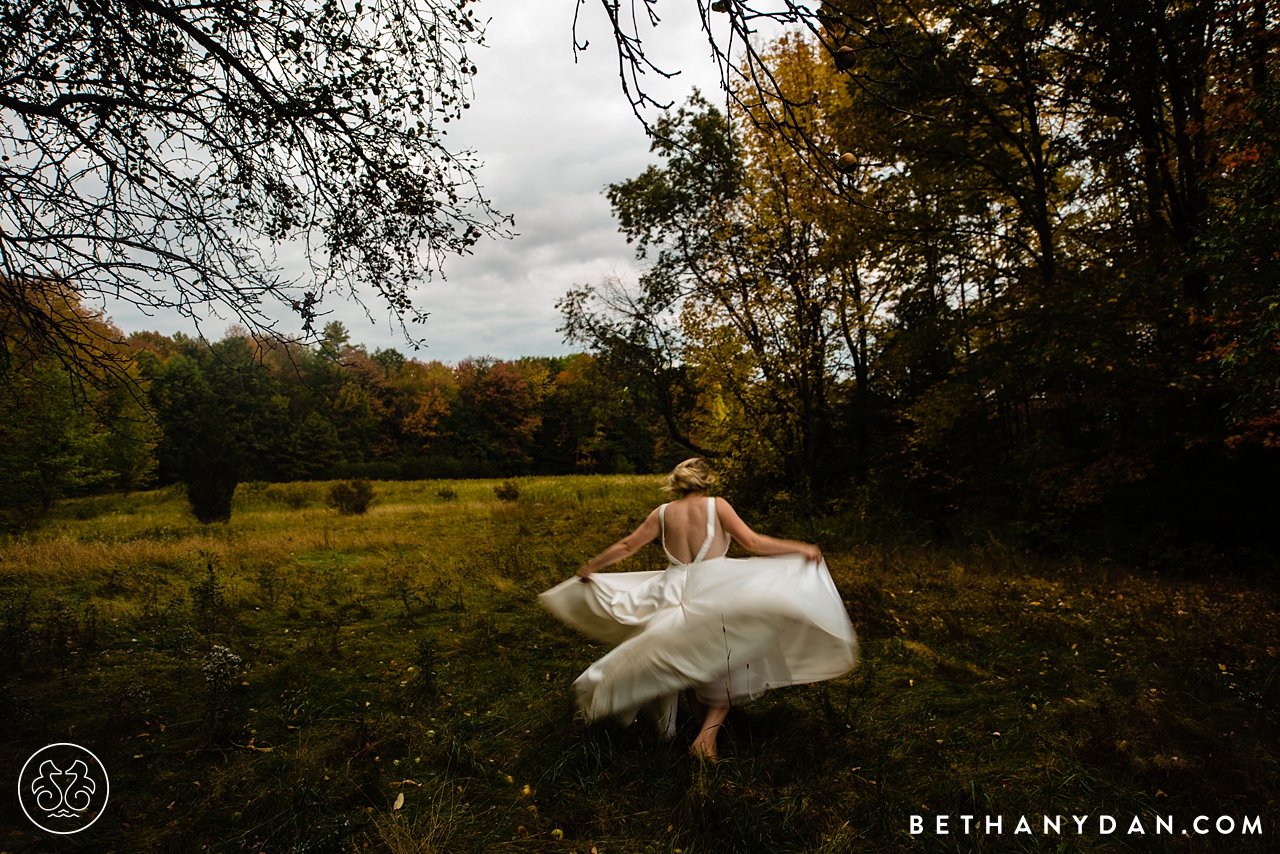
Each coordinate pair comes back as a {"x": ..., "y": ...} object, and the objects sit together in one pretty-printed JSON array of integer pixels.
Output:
[{"x": 684, "y": 529}]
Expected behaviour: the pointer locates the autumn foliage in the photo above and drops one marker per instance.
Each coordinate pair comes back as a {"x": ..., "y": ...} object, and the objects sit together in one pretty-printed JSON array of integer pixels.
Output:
[{"x": 1001, "y": 264}]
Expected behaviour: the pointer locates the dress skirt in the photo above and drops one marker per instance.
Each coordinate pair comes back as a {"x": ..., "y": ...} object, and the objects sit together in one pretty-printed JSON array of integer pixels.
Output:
[{"x": 729, "y": 628}]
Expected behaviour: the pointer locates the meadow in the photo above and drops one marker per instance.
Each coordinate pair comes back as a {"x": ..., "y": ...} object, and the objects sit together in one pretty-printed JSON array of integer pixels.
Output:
[{"x": 302, "y": 681}]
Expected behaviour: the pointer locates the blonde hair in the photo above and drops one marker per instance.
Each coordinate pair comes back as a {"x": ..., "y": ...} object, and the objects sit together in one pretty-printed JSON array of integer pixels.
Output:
[{"x": 692, "y": 475}]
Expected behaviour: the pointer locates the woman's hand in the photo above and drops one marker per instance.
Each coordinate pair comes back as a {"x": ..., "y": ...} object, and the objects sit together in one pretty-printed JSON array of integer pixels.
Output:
[
  {"x": 622, "y": 548},
  {"x": 811, "y": 553}
]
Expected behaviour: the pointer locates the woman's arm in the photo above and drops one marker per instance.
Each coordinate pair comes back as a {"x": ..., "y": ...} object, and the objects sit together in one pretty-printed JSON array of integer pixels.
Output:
[
  {"x": 759, "y": 543},
  {"x": 624, "y": 547}
]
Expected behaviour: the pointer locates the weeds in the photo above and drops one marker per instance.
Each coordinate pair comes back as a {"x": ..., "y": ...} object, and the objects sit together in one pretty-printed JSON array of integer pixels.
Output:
[
  {"x": 268, "y": 581},
  {"x": 219, "y": 669},
  {"x": 402, "y": 587},
  {"x": 329, "y": 626},
  {"x": 16, "y": 614},
  {"x": 178, "y": 640},
  {"x": 132, "y": 699},
  {"x": 424, "y": 660},
  {"x": 88, "y": 627},
  {"x": 208, "y": 601},
  {"x": 295, "y": 496}
]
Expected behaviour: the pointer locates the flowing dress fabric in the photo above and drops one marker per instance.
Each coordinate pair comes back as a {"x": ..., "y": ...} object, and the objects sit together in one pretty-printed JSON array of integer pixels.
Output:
[{"x": 729, "y": 628}]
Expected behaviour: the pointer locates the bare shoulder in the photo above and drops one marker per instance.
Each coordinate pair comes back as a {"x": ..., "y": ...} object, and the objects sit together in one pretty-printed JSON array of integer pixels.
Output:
[
  {"x": 733, "y": 525},
  {"x": 727, "y": 515}
]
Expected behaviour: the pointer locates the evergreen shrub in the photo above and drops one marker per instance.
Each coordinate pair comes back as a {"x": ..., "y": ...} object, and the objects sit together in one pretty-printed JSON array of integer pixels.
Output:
[{"x": 351, "y": 497}]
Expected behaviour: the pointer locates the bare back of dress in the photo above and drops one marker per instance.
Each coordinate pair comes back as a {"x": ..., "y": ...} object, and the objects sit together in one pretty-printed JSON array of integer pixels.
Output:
[{"x": 684, "y": 536}]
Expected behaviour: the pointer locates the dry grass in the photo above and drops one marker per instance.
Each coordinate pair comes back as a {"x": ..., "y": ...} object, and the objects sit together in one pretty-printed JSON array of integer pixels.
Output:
[{"x": 403, "y": 652}]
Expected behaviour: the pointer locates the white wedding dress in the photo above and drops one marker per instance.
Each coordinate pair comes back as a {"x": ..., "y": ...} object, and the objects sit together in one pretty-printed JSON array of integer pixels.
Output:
[{"x": 729, "y": 628}]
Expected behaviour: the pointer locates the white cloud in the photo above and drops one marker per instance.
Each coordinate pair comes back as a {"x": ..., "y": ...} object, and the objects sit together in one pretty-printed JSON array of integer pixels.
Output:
[{"x": 552, "y": 134}]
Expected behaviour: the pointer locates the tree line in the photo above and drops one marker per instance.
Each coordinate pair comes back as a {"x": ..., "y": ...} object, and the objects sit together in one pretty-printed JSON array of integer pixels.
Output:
[{"x": 211, "y": 415}]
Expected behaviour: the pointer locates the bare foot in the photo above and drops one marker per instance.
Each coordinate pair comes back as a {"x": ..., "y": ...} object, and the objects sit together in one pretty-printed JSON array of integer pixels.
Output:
[
  {"x": 704, "y": 750},
  {"x": 704, "y": 746}
]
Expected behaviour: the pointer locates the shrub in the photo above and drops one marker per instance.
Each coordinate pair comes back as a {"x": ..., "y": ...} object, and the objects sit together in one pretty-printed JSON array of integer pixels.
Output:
[
  {"x": 296, "y": 496},
  {"x": 351, "y": 497},
  {"x": 209, "y": 492},
  {"x": 447, "y": 493},
  {"x": 507, "y": 491}
]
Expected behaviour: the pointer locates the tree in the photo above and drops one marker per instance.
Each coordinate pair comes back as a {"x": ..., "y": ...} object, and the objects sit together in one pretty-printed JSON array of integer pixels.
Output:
[
  {"x": 592, "y": 423},
  {"x": 1048, "y": 169},
  {"x": 154, "y": 150},
  {"x": 49, "y": 445},
  {"x": 753, "y": 284},
  {"x": 637, "y": 341},
  {"x": 222, "y": 420},
  {"x": 64, "y": 433},
  {"x": 499, "y": 417},
  {"x": 1243, "y": 251}
]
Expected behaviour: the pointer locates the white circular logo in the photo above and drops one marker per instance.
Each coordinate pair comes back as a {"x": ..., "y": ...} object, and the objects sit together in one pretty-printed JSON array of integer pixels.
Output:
[{"x": 63, "y": 788}]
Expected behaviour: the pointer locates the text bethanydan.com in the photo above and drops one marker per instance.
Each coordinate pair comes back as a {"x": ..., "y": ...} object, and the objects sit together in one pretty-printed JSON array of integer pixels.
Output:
[{"x": 1101, "y": 825}]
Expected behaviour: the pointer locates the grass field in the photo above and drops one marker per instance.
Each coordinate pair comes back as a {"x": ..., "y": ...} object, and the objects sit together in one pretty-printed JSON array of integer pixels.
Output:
[{"x": 403, "y": 653}]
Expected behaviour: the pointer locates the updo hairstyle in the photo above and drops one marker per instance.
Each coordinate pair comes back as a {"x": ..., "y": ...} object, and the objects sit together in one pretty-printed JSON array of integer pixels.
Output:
[{"x": 692, "y": 475}]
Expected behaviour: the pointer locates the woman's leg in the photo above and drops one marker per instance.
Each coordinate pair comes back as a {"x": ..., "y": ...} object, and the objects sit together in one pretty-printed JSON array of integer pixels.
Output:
[
  {"x": 696, "y": 707},
  {"x": 705, "y": 744}
]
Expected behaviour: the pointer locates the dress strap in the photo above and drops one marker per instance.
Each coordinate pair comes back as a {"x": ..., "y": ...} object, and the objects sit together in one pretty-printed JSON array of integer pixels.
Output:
[
  {"x": 711, "y": 530},
  {"x": 662, "y": 526}
]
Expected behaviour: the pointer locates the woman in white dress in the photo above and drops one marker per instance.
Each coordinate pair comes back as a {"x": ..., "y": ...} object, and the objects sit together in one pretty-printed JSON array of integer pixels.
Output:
[{"x": 718, "y": 628}]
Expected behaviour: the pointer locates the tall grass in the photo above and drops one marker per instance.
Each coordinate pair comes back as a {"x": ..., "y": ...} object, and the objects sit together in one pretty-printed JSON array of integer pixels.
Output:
[{"x": 402, "y": 653}]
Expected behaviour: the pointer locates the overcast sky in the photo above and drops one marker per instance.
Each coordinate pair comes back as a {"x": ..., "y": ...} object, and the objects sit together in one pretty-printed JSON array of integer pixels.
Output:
[{"x": 551, "y": 135}]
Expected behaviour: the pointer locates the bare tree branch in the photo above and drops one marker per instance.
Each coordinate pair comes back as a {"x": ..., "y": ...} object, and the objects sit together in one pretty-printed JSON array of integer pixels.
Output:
[{"x": 154, "y": 152}]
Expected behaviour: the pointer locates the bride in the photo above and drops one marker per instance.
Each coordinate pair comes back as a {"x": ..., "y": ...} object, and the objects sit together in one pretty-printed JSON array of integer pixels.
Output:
[{"x": 721, "y": 629}]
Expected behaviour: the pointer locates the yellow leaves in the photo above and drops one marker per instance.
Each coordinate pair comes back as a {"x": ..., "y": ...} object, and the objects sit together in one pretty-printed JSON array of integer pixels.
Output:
[
  {"x": 399, "y": 802},
  {"x": 424, "y": 421}
]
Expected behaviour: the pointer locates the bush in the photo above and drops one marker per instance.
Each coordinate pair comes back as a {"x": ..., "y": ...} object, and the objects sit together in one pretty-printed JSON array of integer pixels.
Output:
[
  {"x": 295, "y": 496},
  {"x": 210, "y": 492},
  {"x": 447, "y": 493},
  {"x": 351, "y": 497},
  {"x": 507, "y": 491}
]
